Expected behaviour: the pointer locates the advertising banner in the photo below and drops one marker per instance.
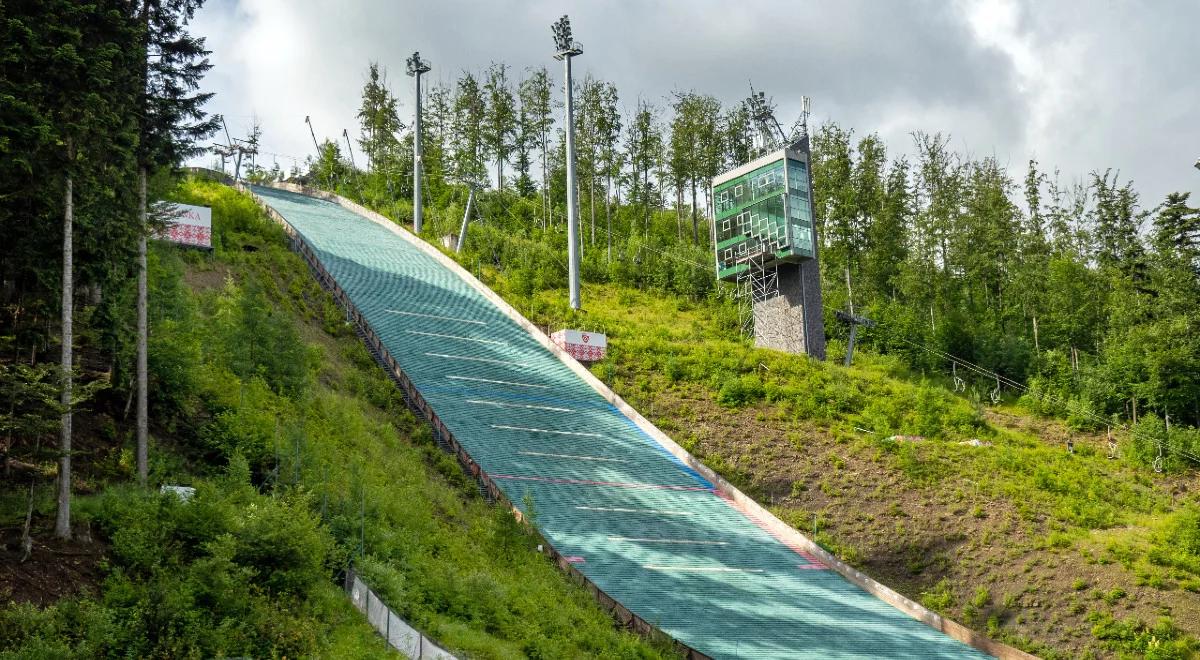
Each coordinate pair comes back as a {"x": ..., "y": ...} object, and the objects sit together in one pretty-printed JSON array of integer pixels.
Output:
[
  {"x": 581, "y": 345},
  {"x": 189, "y": 225}
]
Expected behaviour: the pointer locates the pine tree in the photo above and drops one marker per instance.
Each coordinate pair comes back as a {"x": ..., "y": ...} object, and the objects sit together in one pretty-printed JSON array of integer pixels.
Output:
[
  {"x": 1116, "y": 224},
  {"x": 74, "y": 79},
  {"x": 379, "y": 120},
  {"x": 1177, "y": 231}
]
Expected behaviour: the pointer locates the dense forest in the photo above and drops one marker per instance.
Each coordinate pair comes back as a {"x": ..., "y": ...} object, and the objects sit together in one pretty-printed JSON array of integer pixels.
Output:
[
  {"x": 98, "y": 102},
  {"x": 1071, "y": 295},
  {"x": 1078, "y": 297}
]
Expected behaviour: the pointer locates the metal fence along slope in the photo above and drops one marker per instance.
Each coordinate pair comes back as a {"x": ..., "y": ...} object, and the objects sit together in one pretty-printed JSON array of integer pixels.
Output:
[{"x": 647, "y": 530}]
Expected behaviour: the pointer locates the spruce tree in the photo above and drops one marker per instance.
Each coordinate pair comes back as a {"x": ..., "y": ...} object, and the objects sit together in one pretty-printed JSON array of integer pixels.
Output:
[
  {"x": 80, "y": 53},
  {"x": 378, "y": 119},
  {"x": 171, "y": 122}
]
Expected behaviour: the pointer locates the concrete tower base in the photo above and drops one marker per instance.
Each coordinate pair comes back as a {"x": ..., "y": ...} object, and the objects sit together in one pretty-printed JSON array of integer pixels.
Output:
[{"x": 793, "y": 320}]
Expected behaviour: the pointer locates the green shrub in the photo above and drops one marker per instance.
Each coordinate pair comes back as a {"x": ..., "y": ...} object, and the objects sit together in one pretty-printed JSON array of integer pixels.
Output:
[
  {"x": 741, "y": 391},
  {"x": 940, "y": 598}
]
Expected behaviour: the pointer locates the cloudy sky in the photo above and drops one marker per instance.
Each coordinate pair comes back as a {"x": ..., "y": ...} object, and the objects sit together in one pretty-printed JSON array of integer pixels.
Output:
[{"x": 1076, "y": 85}]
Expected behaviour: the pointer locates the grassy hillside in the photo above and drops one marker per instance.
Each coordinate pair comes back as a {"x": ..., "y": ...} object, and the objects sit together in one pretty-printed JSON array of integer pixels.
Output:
[
  {"x": 1062, "y": 554},
  {"x": 304, "y": 459},
  {"x": 984, "y": 516}
]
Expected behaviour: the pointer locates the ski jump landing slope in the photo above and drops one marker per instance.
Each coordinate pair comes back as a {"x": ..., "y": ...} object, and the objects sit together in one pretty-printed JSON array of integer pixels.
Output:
[{"x": 653, "y": 534}]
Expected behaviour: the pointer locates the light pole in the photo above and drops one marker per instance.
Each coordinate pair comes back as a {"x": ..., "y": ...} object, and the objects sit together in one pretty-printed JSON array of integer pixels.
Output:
[
  {"x": 566, "y": 50},
  {"x": 417, "y": 66}
]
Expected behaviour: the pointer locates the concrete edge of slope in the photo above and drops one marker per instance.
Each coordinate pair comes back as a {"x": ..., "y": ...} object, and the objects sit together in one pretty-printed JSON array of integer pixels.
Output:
[{"x": 752, "y": 509}]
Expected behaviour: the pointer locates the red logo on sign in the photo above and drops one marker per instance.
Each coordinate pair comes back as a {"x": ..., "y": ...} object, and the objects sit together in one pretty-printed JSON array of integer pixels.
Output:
[{"x": 585, "y": 338}]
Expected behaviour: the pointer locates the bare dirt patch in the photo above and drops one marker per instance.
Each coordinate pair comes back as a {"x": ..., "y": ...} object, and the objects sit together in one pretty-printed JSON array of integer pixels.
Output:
[
  {"x": 995, "y": 568},
  {"x": 55, "y": 569}
]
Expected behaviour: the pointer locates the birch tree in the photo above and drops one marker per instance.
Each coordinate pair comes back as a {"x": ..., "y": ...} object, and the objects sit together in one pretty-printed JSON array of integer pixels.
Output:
[{"x": 171, "y": 122}]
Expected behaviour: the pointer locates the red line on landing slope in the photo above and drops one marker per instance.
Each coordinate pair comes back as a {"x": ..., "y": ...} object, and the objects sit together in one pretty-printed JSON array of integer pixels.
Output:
[{"x": 585, "y": 482}]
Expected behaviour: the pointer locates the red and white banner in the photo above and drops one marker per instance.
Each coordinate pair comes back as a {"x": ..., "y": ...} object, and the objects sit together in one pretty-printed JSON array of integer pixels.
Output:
[
  {"x": 189, "y": 225},
  {"x": 581, "y": 345}
]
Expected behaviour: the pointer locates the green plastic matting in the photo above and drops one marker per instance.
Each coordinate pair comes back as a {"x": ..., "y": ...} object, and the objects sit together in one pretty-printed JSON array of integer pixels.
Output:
[{"x": 647, "y": 530}]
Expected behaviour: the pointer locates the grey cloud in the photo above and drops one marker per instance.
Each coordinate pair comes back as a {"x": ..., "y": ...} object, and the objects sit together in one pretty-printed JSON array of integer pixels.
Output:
[{"x": 891, "y": 67}]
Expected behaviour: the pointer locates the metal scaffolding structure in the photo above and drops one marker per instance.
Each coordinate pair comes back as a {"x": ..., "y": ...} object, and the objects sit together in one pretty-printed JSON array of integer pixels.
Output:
[{"x": 757, "y": 283}]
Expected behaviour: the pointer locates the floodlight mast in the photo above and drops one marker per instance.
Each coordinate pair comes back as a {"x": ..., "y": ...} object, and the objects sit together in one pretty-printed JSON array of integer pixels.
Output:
[
  {"x": 566, "y": 49},
  {"x": 417, "y": 66}
]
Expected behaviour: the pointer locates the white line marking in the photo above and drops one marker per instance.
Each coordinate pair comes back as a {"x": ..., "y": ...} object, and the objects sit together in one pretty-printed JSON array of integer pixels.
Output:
[
  {"x": 438, "y": 334},
  {"x": 475, "y": 359},
  {"x": 618, "y": 509},
  {"x": 702, "y": 569},
  {"x": 581, "y": 458},
  {"x": 434, "y": 316},
  {"x": 518, "y": 405},
  {"x": 680, "y": 541},
  {"x": 526, "y": 428},
  {"x": 498, "y": 382}
]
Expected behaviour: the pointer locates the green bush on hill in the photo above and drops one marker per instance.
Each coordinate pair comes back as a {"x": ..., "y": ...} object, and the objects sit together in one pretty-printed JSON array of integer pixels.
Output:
[{"x": 304, "y": 459}]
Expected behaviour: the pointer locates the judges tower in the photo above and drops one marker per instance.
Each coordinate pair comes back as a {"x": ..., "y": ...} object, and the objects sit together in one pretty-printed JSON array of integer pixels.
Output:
[{"x": 765, "y": 239}]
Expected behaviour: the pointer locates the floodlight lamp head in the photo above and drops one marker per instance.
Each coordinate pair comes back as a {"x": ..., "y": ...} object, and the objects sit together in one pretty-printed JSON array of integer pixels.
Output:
[
  {"x": 307, "y": 119},
  {"x": 417, "y": 66},
  {"x": 563, "y": 43},
  {"x": 1198, "y": 163}
]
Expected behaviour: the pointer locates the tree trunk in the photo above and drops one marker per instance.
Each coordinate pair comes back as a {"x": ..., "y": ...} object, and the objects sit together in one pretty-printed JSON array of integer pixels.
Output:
[
  {"x": 695, "y": 220},
  {"x": 646, "y": 196},
  {"x": 679, "y": 212},
  {"x": 62, "y": 524},
  {"x": 143, "y": 422},
  {"x": 545, "y": 178},
  {"x": 592, "y": 204},
  {"x": 608, "y": 214}
]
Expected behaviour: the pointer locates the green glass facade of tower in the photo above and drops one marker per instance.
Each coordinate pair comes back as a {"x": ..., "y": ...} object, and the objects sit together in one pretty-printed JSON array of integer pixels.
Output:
[{"x": 763, "y": 212}]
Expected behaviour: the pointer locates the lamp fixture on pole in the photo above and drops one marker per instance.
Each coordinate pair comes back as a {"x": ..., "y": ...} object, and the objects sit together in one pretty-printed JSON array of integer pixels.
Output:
[{"x": 566, "y": 48}]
